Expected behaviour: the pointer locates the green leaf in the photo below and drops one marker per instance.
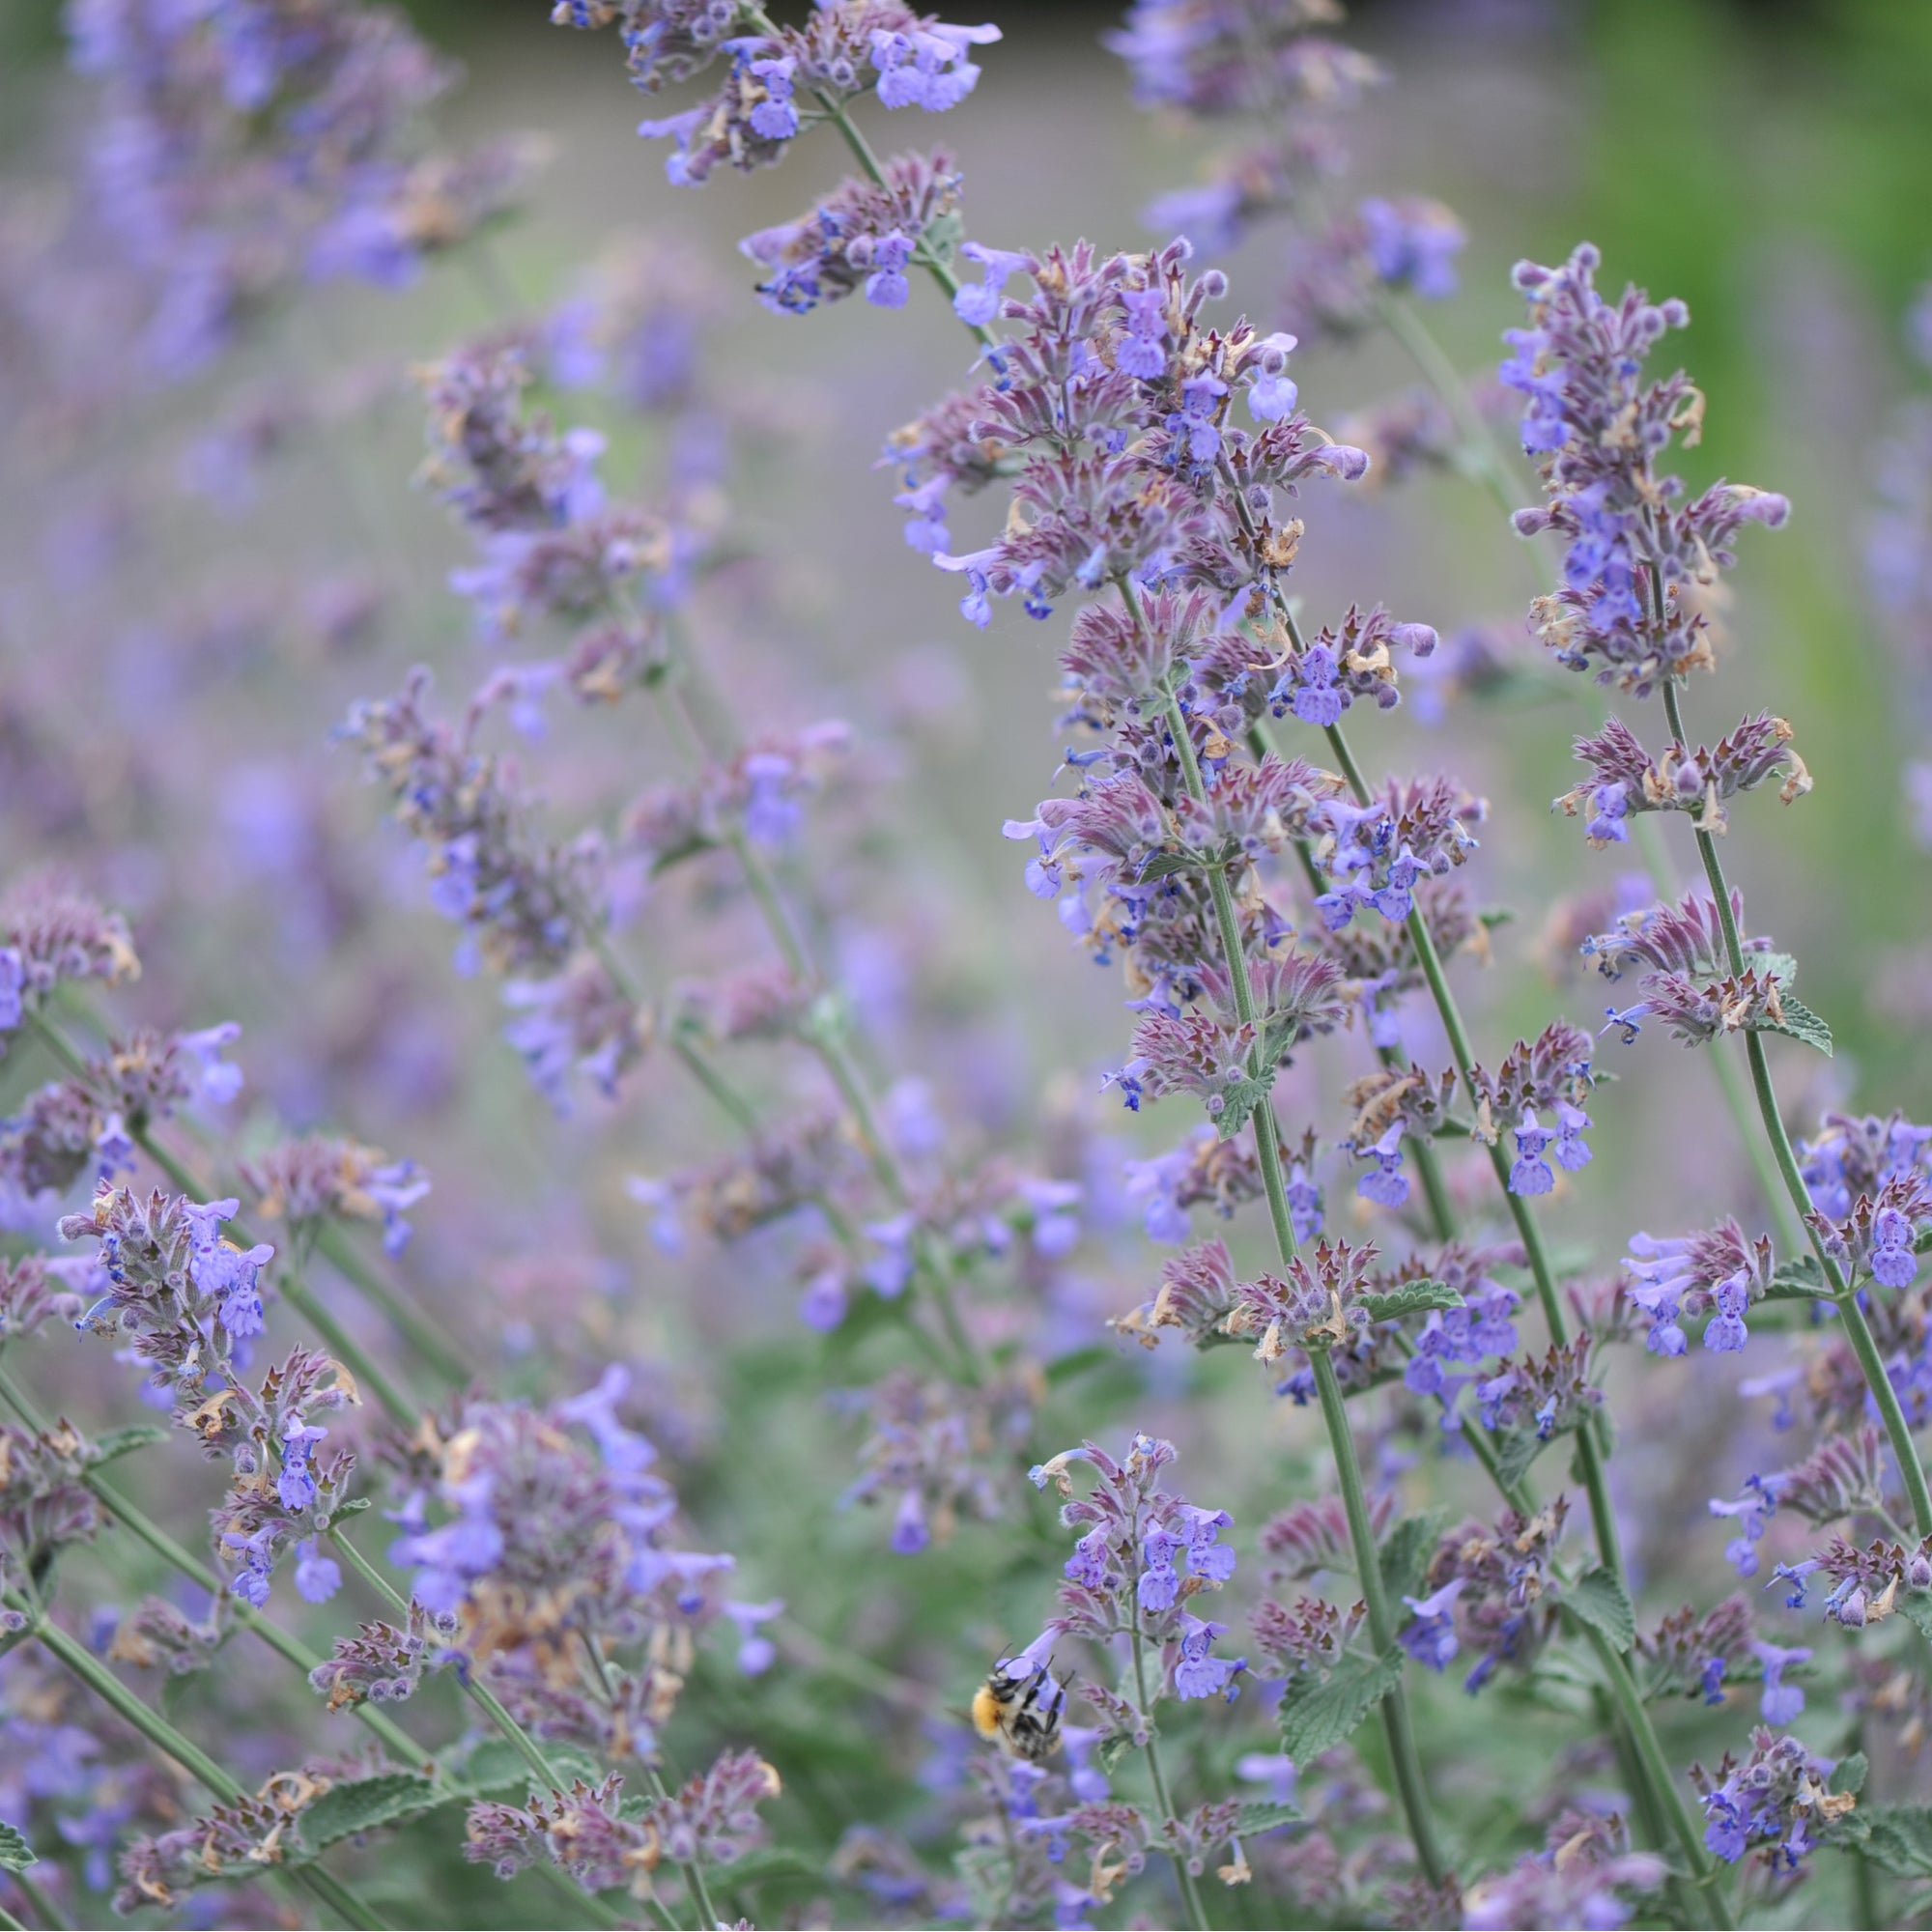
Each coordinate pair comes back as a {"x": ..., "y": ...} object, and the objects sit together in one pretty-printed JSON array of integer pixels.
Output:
[
  {"x": 16, "y": 1853},
  {"x": 1240, "y": 1101},
  {"x": 1167, "y": 865},
  {"x": 1799, "y": 1022},
  {"x": 1406, "y": 1552},
  {"x": 1799, "y": 1279},
  {"x": 123, "y": 1441},
  {"x": 1781, "y": 966},
  {"x": 1850, "y": 1776},
  {"x": 1256, "y": 1819},
  {"x": 1916, "y": 1608},
  {"x": 364, "y": 1803},
  {"x": 1601, "y": 1601},
  {"x": 1516, "y": 1450},
  {"x": 1315, "y": 1717},
  {"x": 1065, "y": 1368},
  {"x": 772, "y": 1862},
  {"x": 1409, "y": 1298},
  {"x": 1897, "y": 1838},
  {"x": 491, "y": 1766}
]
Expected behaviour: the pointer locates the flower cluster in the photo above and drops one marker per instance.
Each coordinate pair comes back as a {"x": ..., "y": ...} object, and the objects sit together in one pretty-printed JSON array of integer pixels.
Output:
[
  {"x": 1142, "y": 1555},
  {"x": 1488, "y": 1590},
  {"x": 1629, "y": 780},
  {"x": 1715, "y": 1269},
  {"x": 604, "y": 1843},
  {"x": 1641, "y": 563},
  {"x": 247, "y": 148},
  {"x": 1775, "y": 1800}
]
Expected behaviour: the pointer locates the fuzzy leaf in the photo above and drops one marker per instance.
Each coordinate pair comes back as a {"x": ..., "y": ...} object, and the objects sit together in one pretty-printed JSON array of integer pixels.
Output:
[
  {"x": 123, "y": 1441},
  {"x": 1516, "y": 1450},
  {"x": 1166, "y": 866},
  {"x": 1410, "y": 1298},
  {"x": 1256, "y": 1819},
  {"x": 1799, "y": 1279},
  {"x": 1916, "y": 1608},
  {"x": 1799, "y": 1022},
  {"x": 1240, "y": 1101},
  {"x": 1406, "y": 1552},
  {"x": 1601, "y": 1601},
  {"x": 1781, "y": 966},
  {"x": 1317, "y": 1718},
  {"x": 363, "y": 1804},
  {"x": 16, "y": 1853},
  {"x": 772, "y": 1862},
  {"x": 1850, "y": 1776},
  {"x": 1897, "y": 1838}
]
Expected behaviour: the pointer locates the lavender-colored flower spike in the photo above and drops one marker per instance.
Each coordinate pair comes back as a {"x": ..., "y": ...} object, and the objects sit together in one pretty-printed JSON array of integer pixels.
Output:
[{"x": 1641, "y": 561}]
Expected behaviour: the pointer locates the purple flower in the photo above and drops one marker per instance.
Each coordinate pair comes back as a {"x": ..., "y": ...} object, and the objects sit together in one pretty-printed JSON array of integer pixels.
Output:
[
  {"x": 1750, "y": 1512},
  {"x": 885, "y": 287},
  {"x": 1384, "y": 1183},
  {"x": 1893, "y": 1263},
  {"x": 757, "y": 1651},
  {"x": 1430, "y": 1638},
  {"x": 318, "y": 1578},
  {"x": 1783, "y": 1701},
  {"x": 1197, "y": 1673},
  {"x": 978, "y": 304},
  {"x": 1530, "y": 1173}
]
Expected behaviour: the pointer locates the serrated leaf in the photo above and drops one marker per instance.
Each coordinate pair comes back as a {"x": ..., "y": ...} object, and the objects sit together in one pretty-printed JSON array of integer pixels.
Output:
[
  {"x": 365, "y": 1803},
  {"x": 495, "y": 1764},
  {"x": 1406, "y": 1552},
  {"x": 125, "y": 1441},
  {"x": 1166, "y": 866},
  {"x": 1240, "y": 1101},
  {"x": 16, "y": 1853},
  {"x": 1897, "y": 1838},
  {"x": 1516, "y": 1450},
  {"x": 1256, "y": 1819},
  {"x": 1850, "y": 1776},
  {"x": 1916, "y": 1608},
  {"x": 1409, "y": 1298},
  {"x": 1317, "y": 1718},
  {"x": 772, "y": 1862},
  {"x": 1601, "y": 1602},
  {"x": 1799, "y": 1022},
  {"x": 1781, "y": 966},
  {"x": 1799, "y": 1279}
]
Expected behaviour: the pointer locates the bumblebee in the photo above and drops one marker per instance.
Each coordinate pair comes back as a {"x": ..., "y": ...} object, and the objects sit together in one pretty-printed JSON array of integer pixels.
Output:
[{"x": 1019, "y": 1710}]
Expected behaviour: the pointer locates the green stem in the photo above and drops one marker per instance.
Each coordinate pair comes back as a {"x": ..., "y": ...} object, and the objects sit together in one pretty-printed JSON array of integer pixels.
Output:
[
  {"x": 823, "y": 1035},
  {"x": 694, "y": 1873},
  {"x": 1190, "y": 1893},
  {"x": 1877, "y": 1379},
  {"x": 1684, "y": 1827},
  {"x": 1589, "y": 1450},
  {"x": 1402, "y": 1753},
  {"x": 189, "y": 1755},
  {"x": 485, "y": 1700},
  {"x": 203, "y": 1578},
  {"x": 44, "y": 1909},
  {"x": 1487, "y": 464},
  {"x": 1342, "y": 1442}
]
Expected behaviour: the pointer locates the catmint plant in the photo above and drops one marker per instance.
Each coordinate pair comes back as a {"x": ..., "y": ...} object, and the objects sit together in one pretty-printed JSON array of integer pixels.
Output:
[{"x": 545, "y": 1294}]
